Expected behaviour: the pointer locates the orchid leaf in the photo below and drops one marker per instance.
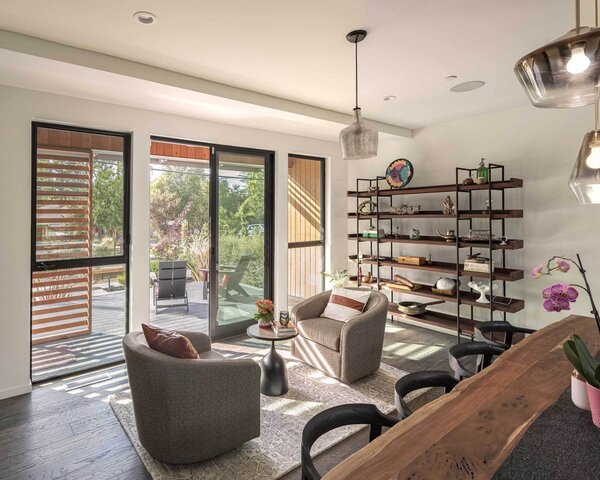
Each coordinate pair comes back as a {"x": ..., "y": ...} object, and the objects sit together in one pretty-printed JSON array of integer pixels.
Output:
[
  {"x": 589, "y": 364},
  {"x": 571, "y": 353}
]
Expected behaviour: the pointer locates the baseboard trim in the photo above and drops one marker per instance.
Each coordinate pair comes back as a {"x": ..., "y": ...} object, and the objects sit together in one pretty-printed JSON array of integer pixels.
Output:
[{"x": 14, "y": 391}]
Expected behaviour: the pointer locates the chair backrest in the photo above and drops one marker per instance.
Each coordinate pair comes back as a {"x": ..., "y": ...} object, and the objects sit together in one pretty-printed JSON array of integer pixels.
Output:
[
  {"x": 484, "y": 353},
  {"x": 243, "y": 263},
  {"x": 327, "y": 420},
  {"x": 172, "y": 279},
  {"x": 484, "y": 332},
  {"x": 414, "y": 381}
]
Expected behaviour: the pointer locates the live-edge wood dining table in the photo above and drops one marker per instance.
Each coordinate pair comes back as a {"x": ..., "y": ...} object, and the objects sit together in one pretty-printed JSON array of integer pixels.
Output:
[{"x": 468, "y": 433}]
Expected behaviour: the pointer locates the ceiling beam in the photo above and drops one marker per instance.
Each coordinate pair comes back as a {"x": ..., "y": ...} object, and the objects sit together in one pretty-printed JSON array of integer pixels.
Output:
[{"x": 55, "y": 51}]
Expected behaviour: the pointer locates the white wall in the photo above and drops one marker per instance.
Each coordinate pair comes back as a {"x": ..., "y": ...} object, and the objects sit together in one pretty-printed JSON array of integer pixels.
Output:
[
  {"x": 20, "y": 107},
  {"x": 537, "y": 145}
]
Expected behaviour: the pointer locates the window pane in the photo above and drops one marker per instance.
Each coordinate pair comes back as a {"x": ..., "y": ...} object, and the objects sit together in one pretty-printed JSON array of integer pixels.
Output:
[{"x": 79, "y": 195}]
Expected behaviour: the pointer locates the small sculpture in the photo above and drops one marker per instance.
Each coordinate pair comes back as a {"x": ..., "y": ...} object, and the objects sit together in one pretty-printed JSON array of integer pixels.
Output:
[
  {"x": 468, "y": 181},
  {"x": 366, "y": 208},
  {"x": 449, "y": 237},
  {"x": 448, "y": 206},
  {"x": 414, "y": 234}
]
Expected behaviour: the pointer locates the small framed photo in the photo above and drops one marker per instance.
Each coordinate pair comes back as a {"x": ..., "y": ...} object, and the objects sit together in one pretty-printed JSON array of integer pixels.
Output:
[{"x": 284, "y": 317}]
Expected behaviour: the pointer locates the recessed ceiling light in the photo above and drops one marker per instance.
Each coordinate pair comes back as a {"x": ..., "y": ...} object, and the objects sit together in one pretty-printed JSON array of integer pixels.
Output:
[
  {"x": 145, "y": 18},
  {"x": 467, "y": 86},
  {"x": 388, "y": 98},
  {"x": 450, "y": 77}
]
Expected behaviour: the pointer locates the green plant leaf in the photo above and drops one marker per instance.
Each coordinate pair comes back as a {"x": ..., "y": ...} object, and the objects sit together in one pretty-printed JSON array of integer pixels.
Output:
[
  {"x": 589, "y": 364},
  {"x": 571, "y": 353}
]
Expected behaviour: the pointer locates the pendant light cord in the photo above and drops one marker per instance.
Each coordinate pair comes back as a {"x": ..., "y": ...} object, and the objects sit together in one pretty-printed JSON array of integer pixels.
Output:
[
  {"x": 577, "y": 15},
  {"x": 356, "y": 69}
]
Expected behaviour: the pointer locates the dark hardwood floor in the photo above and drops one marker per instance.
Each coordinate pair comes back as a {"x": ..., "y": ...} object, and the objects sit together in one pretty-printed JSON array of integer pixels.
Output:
[{"x": 67, "y": 430}]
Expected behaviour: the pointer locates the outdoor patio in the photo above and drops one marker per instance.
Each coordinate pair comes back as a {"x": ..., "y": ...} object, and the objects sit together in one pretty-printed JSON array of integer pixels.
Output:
[{"x": 103, "y": 345}]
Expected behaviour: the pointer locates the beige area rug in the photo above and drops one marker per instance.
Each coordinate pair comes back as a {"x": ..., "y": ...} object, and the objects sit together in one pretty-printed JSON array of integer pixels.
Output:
[{"x": 277, "y": 450}]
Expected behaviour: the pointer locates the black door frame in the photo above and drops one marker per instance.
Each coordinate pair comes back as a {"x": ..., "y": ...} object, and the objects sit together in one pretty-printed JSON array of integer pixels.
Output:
[
  {"x": 218, "y": 332},
  {"x": 80, "y": 262}
]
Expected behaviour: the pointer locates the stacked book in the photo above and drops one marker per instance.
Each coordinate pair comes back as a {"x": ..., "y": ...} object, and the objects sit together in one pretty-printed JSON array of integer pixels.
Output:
[
  {"x": 478, "y": 263},
  {"x": 280, "y": 329}
]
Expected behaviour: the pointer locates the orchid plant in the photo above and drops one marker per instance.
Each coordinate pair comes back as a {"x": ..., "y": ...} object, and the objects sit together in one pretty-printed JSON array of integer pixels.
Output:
[{"x": 559, "y": 296}]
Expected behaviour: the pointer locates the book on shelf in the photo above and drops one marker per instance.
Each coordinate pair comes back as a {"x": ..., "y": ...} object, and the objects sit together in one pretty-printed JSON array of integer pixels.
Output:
[{"x": 279, "y": 328}]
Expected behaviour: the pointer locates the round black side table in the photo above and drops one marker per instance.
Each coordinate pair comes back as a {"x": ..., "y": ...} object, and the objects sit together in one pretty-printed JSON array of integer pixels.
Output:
[{"x": 273, "y": 378}]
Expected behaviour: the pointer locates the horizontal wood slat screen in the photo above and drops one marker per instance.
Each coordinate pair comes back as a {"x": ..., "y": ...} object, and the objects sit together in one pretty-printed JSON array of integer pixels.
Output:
[
  {"x": 61, "y": 304},
  {"x": 62, "y": 299},
  {"x": 305, "y": 226}
]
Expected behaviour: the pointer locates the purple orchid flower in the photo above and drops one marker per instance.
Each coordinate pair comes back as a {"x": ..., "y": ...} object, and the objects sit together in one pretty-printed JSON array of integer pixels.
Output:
[
  {"x": 563, "y": 265},
  {"x": 536, "y": 272}
]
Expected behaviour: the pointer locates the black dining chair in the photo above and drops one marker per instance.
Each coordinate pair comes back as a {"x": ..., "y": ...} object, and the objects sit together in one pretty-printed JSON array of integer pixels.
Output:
[
  {"x": 335, "y": 417},
  {"x": 415, "y": 381},
  {"x": 484, "y": 353},
  {"x": 484, "y": 332}
]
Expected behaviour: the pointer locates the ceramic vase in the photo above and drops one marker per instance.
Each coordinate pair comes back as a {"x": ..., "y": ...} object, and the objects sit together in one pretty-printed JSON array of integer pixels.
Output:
[
  {"x": 594, "y": 398},
  {"x": 579, "y": 394}
]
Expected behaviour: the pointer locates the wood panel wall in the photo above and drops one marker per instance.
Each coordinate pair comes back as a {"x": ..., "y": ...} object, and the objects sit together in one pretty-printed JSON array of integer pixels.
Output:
[{"x": 305, "y": 262}]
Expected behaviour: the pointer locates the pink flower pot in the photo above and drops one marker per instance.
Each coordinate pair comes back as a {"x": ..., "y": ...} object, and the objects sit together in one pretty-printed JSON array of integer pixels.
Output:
[{"x": 594, "y": 398}]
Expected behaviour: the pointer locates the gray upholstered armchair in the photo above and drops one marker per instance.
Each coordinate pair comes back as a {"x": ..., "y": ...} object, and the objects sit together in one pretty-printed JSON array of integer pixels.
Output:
[
  {"x": 344, "y": 350},
  {"x": 191, "y": 410}
]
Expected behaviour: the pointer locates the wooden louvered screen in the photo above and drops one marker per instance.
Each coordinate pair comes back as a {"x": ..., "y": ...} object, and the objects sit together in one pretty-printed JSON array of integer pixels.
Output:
[
  {"x": 305, "y": 226},
  {"x": 61, "y": 299}
]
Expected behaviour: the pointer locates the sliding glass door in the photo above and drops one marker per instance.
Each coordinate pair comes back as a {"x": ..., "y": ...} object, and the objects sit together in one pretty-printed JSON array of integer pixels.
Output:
[
  {"x": 241, "y": 236},
  {"x": 79, "y": 248}
]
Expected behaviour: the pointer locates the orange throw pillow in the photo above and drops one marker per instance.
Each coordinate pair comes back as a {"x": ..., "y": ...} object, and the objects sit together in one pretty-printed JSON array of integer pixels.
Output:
[{"x": 169, "y": 342}]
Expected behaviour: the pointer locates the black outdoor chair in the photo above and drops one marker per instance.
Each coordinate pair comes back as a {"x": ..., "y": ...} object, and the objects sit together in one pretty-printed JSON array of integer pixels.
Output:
[
  {"x": 334, "y": 417},
  {"x": 484, "y": 353},
  {"x": 170, "y": 284},
  {"x": 484, "y": 332},
  {"x": 230, "y": 277},
  {"x": 415, "y": 381}
]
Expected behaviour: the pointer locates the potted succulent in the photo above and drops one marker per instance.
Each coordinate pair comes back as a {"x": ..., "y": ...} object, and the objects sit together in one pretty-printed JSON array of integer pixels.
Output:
[
  {"x": 589, "y": 368},
  {"x": 264, "y": 313},
  {"x": 337, "y": 279}
]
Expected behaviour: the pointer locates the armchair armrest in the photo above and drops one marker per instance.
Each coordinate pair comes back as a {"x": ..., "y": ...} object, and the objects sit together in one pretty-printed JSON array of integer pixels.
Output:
[
  {"x": 311, "y": 307},
  {"x": 200, "y": 341}
]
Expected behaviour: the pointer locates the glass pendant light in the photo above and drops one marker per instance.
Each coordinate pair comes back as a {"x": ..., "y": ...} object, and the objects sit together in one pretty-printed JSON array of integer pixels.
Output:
[
  {"x": 585, "y": 177},
  {"x": 565, "y": 72},
  {"x": 359, "y": 139}
]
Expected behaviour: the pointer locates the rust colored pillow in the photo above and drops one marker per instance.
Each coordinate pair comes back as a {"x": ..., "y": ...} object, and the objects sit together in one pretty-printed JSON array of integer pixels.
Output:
[{"x": 169, "y": 342}]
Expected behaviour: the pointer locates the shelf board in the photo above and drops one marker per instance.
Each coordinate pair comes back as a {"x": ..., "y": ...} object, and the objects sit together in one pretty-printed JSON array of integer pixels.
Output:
[
  {"x": 466, "y": 298},
  {"x": 502, "y": 274},
  {"x": 437, "y": 319},
  {"x": 469, "y": 298},
  {"x": 463, "y": 215},
  {"x": 512, "y": 244},
  {"x": 388, "y": 192}
]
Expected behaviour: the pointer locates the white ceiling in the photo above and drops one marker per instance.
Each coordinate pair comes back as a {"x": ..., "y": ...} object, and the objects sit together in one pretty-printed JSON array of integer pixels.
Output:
[{"x": 297, "y": 49}]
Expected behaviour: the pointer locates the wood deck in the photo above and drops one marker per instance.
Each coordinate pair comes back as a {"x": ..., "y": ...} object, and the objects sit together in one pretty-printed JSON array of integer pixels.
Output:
[{"x": 103, "y": 345}]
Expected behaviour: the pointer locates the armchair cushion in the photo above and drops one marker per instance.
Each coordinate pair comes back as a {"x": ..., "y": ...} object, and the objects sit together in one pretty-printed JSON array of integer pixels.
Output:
[
  {"x": 345, "y": 304},
  {"x": 169, "y": 342},
  {"x": 324, "y": 331}
]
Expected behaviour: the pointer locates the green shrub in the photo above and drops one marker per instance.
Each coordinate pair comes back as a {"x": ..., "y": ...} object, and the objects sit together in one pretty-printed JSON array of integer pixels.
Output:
[{"x": 232, "y": 247}]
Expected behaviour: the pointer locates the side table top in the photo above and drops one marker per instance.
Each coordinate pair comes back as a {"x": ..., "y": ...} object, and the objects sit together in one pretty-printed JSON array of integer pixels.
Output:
[{"x": 269, "y": 334}]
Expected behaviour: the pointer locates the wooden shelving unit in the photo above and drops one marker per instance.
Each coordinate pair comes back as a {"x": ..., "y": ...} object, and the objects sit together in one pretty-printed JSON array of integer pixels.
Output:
[{"x": 379, "y": 263}]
